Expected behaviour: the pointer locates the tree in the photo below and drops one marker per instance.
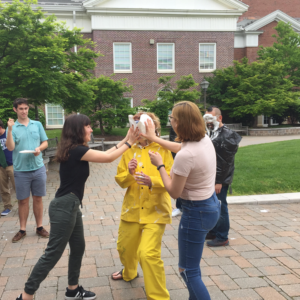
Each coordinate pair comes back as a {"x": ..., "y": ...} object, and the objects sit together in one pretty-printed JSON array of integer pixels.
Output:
[
  {"x": 169, "y": 94},
  {"x": 252, "y": 89},
  {"x": 37, "y": 60},
  {"x": 292, "y": 113},
  {"x": 285, "y": 51},
  {"x": 108, "y": 107}
]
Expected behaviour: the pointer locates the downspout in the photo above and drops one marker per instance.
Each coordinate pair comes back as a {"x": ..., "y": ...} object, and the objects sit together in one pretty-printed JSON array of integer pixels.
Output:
[{"x": 74, "y": 25}]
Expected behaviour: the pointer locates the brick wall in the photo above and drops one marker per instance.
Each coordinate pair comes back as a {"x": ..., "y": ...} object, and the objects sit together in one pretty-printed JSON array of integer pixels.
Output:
[
  {"x": 265, "y": 39},
  {"x": 144, "y": 77},
  {"x": 258, "y": 8},
  {"x": 239, "y": 53}
]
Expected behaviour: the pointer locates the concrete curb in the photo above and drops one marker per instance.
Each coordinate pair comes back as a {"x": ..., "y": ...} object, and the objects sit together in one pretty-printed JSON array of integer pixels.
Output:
[{"x": 286, "y": 198}]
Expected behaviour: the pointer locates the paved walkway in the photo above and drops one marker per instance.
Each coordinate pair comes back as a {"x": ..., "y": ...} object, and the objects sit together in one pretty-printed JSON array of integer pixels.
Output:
[
  {"x": 262, "y": 261},
  {"x": 254, "y": 140}
]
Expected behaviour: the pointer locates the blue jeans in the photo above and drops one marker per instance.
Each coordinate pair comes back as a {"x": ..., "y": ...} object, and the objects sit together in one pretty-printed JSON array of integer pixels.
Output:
[
  {"x": 221, "y": 230},
  {"x": 198, "y": 217}
]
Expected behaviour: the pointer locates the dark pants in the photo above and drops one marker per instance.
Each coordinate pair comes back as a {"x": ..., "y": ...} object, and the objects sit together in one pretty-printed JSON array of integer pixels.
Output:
[
  {"x": 66, "y": 227},
  {"x": 198, "y": 217},
  {"x": 178, "y": 204},
  {"x": 221, "y": 230}
]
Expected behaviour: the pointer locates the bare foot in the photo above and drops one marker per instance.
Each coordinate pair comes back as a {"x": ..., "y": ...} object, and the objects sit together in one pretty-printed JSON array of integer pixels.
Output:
[{"x": 117, "y": 275}]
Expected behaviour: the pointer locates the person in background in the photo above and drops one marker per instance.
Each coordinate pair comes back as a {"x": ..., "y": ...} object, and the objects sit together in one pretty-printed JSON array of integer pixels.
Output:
[
  {"x": 145, "y": 212},
  {"x": 176, "y": 211},
  {"x": 193, "y": 182},
  {"x": 226, "y": 143},
  {"x": 29, "y": 170},
  {"x": 6, "y": 172}
]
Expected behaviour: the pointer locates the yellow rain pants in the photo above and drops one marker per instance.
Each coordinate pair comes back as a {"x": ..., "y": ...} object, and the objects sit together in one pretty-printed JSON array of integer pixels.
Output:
[{"x": 142, "y": 243}]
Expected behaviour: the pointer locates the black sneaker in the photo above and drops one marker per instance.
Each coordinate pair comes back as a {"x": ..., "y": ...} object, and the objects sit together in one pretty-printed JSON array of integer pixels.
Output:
[
  {"x": 20, "y": 297},
  {"x": 79, "y": 293}
]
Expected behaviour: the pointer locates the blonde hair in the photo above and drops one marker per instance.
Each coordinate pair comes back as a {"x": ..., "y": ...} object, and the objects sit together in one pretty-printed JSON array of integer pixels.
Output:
[
  {"x": 155, "y": 119},
  {"x": 190, "y": 124}
]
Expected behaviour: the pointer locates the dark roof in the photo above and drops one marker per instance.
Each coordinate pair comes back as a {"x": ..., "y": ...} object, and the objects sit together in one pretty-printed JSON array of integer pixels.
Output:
[{"x": 245, "y": 22}]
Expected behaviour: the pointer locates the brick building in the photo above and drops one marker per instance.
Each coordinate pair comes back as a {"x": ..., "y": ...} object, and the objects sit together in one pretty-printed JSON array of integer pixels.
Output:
[
  {"x": 143, "y": 40},
  {"x": 256, "y": 27}
]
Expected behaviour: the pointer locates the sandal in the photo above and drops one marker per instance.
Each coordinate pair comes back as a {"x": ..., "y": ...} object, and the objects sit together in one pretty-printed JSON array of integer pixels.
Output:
[{"x": 121, "y": 274}]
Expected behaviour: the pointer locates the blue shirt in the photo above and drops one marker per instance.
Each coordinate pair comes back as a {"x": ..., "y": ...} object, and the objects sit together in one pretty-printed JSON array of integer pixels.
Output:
[
  {"x": 8, "y": 154},
  {"x": 28, "y": 138}
]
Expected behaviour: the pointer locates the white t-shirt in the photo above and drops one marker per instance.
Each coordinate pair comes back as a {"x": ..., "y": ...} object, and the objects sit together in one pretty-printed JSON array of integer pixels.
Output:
[{"x": 197, "y": 162}]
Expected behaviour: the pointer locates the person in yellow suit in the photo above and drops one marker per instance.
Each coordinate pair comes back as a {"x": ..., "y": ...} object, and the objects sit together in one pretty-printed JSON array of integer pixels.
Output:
[{"x": 145, "y": 212}]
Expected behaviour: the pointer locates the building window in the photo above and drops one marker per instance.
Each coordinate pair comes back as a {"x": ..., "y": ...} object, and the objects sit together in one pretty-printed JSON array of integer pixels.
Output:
[
  {"x": 55, "y": 116},
  {"x": 131, "y": 101},
  {"x": 122, "y": 58},
  {"x": 165, "y": 58},
  {"x": 207, "y": 57}
]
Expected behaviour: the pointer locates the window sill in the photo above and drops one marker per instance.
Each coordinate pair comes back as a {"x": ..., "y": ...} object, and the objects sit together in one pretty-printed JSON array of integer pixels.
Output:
[
  {"x": 54, "y": 126},
  {"x": 206, "y": 70},
  {"x": 165, "y": 71},
  {"x": 123, "y": 71}
]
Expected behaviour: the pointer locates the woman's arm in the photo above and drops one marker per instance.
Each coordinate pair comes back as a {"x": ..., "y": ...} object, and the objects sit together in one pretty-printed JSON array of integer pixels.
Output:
[
  {"x": 150, "y": 135},
  {"x": 119, "y": 145},
  {"x": 174, "y": 185},
  {"x": 104, "y": 157}
]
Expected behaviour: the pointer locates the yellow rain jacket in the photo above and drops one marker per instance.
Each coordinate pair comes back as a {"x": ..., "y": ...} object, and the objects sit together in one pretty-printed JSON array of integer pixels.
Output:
[{"x": 141, "y": 204}]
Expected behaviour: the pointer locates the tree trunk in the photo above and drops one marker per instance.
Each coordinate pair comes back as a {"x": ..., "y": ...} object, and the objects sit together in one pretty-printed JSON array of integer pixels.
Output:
[
  {"x": 101, "y": 126},
  {"x": 254, "y": 123},
  {"x": 36, "y": 113}
]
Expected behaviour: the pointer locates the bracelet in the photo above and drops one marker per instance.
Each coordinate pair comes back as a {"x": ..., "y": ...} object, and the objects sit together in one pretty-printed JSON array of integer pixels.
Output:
[
  {"x": 160, "y": 167},
  {"x": 116, "y": 146},
  {"x": 127, "y": 144}
]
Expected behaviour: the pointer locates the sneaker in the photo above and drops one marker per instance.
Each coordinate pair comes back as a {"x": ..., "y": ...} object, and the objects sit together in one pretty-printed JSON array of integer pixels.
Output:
[
  {"x": 5, "y": 212},
  {"x": 210, "y": 236},
  {"x": 19, "y": 236},
  {"x": 176, "y": 212},
  {"x": 217, "y": 243},
  {"x": 20, "y": 297},
  {"x": 79, "y": 293},
  {"x": 42, "y": 233}
]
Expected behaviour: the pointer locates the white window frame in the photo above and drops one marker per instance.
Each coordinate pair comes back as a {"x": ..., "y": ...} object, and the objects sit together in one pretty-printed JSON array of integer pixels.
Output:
[
  {"x": 215, "y": 58},
  {"x": 53, "y": 126},
  {"x": 130, "y": 46},
  {"x": 173, "y": 56}
]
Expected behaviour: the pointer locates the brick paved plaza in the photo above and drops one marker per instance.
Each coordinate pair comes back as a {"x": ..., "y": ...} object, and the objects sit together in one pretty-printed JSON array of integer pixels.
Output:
[{"x": 262, "y": 261}]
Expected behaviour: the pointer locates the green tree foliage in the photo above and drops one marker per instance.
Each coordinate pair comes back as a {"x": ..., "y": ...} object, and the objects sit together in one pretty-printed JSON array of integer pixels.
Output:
[
  {"x": 6, "y": 110},
  {"x": 42, "y": 117},
  {"x": 292, "y": 113},
  {"x": 170, "y": 93},
  {"x": 285, "y": 51},
  {"x": 108, "y": 108},
  {"x": 37, "y": 60},
  {"x": 252, "y": 89}
]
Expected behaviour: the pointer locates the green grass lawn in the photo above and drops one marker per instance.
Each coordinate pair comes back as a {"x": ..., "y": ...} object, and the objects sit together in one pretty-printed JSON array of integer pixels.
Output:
[
  {"x": 116, "y": 131},
  {"x": 53, "y": 133},
  {"x": 267, "y": 169},
  {"x": 123, "y": 131},
  {"x": 259, "y": 169}
]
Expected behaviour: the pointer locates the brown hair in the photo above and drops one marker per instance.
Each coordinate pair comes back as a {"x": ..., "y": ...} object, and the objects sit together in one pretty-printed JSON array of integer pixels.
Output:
[
  {"x": 190, "y": 124},
  {"x": 155, "y": 119},
  {"x": 20, "y": 101},
  {"x": 73, "y": 134}
]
